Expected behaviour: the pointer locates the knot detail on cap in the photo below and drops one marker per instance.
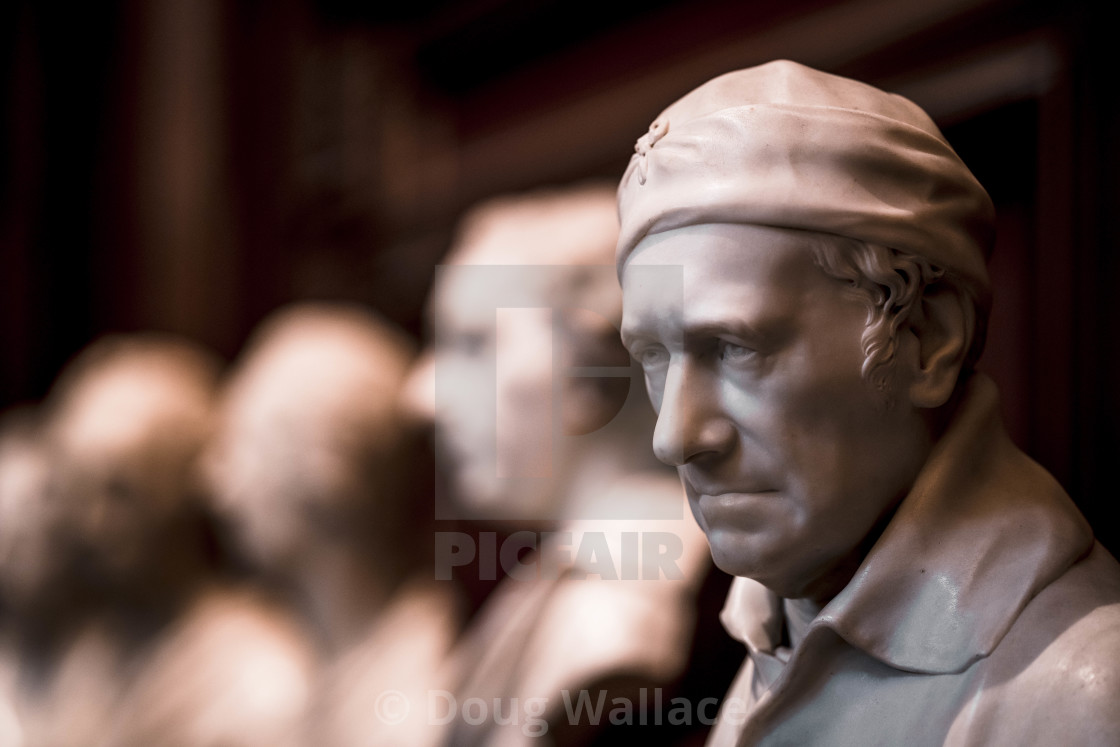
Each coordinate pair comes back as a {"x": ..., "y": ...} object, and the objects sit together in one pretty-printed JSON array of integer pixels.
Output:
[{"x": 656, "y": 131}]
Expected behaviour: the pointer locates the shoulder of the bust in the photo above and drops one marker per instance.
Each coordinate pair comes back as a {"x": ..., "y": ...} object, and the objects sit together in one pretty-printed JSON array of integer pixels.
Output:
[
  {"x": 232, "y": 666},
  {"x": 593, "y": 630},
  {"x": 1082, "y": 677},
  {"x": 1055, "y": 677},
  {"x": 1088, "y": 590},
  {"x": 1074, "y": 626}
]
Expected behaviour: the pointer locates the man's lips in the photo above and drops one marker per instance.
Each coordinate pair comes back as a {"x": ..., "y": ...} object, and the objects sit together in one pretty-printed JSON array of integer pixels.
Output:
[
  {"x": 730, "y": 507},
  {"x": 725, "y": 482},
  {"x": 698, "y": 487}
]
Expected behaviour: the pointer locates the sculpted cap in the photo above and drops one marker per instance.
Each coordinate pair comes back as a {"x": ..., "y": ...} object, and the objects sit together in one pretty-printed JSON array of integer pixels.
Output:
[{"x": 785, "y": 145}]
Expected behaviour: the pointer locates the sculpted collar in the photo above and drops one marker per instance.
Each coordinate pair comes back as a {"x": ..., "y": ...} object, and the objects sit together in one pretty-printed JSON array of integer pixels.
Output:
[{"x": 982, "y": 531}]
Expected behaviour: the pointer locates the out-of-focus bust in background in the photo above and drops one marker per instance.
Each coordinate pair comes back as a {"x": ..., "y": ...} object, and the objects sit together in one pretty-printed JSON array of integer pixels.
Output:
[
  {"x": 127, "y": 420},
  {"x": 33, "y": 570},
  {"x": 123, "y": 428},
  {"x": 537, "y": 431},
  {"x": 313, "y": 470},
  {"x": 39, "y": 603}
]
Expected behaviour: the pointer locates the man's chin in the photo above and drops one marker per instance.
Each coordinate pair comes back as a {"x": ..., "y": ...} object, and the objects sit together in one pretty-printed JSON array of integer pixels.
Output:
[
  {"x": 787, "y": 586},
  {"x": 728, "y": 554},
  {"x": 495, "y": 507},
  {"x": 731, "y": 555},
  {"x": 477, "y": 493}
]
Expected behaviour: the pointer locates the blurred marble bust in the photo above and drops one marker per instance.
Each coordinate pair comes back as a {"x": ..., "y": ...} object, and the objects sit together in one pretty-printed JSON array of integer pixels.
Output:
[
  {"x": 167, "y": 646},
  {"x": 537, "y": 435},
  {"x": 33, "y": 567},
  {"x": 305, "y": 455},
  {"x": 37, "y": 594},
  {"x": 803, "y": 267},
  {"x": 492, "y": 379},
  {"x": 125, "y": 422},
  {"x": 311, "y": 467}
]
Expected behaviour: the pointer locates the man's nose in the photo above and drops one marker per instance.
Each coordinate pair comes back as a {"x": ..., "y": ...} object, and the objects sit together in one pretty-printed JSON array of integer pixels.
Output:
[
  {"x": 690, "y": 422},
  {"x": 418, "y": 395}
]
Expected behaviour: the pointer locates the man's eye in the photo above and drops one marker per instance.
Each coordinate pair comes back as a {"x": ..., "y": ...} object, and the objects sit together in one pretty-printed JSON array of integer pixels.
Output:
[
  {"x": 467, "y": 343},
  {"x": 653, "y": 357},
  {"x": 729, "y": 352}
]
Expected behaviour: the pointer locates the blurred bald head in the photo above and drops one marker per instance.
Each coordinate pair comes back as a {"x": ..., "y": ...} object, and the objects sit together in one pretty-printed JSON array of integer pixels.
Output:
[
  {"x": 126, "y": 421},
  {"x": 308, "y": 429}
]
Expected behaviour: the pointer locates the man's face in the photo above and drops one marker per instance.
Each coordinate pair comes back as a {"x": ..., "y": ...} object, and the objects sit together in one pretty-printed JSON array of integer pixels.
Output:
[
  {"x": 789, "y": 458},
  {"x": 494, "y": 399},
  {"x": 257, "y": 466},
  {"x": 291, "y": 463},
  {"x": 32, "y": 524},
  {"x": 122, "y": 454}
]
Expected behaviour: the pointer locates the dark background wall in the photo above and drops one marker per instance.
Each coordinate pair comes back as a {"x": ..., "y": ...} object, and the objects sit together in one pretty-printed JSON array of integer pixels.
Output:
[{"x": 189, "y": 165}]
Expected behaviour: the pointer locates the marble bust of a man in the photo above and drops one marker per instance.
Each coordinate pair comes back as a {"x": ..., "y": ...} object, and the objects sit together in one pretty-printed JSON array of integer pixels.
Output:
[{"x": 802, "y": 259}]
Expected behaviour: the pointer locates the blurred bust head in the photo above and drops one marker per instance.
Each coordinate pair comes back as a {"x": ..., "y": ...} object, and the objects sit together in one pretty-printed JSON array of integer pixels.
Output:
[
  {"x": 126, "y": 421},
  {"x": 308, "y": 433},
  {"x": 528, "y": 293},
  {"x": 32, "y": 542}
]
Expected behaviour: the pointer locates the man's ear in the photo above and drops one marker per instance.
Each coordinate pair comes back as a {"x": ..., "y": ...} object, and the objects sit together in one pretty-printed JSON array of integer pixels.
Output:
[{"x": 943, "y": 325}]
